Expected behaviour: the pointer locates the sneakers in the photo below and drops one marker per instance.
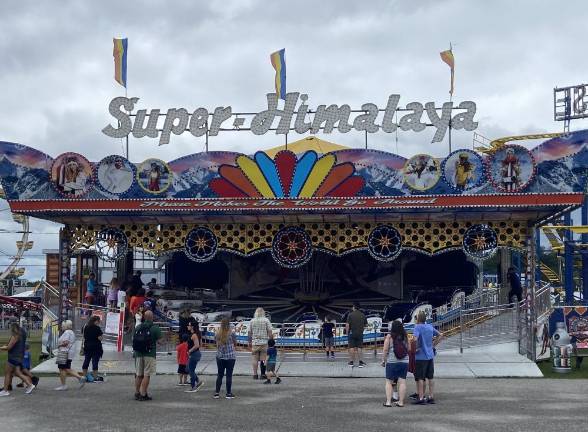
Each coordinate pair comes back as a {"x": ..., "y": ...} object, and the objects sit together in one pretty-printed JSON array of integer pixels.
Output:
[
  {"x": 267, "y": 381},
  {"x": 395, "y": 397},
  {"x": 30, "y": 389},
  {"x": 255, "y": 377},
  {"x": 180, "y": 384},
  {"x": 414, "y": 396},
  {"x": 82, "y": 382},
  {"x": 361, "y": 364},
  {"x": 194, "y": 389},
  {"x": 216, "y": 396},
  {"x": 4, "y": 393},
  {"x": 430, "y": 400},
  {"x": 332, "y": 354},
  {"x": 230, "y": 396},
  {"x": 420, "y": 402},
  {"x": 35, "y": 381},
  {"x": 9, "y": 388},
  {"x": 137, "y": 396},
  {"x": 145, "y": 398},
  {"x": 278, "y": 380},
  {"x": 350, "y": 364},
  {"x": 61, "y": 388}
]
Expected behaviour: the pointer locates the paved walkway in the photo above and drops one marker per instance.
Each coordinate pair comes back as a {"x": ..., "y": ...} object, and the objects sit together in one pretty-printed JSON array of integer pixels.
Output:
[
  {"x": 500, "y": 361},
  {"x": 299, "y": 404}
]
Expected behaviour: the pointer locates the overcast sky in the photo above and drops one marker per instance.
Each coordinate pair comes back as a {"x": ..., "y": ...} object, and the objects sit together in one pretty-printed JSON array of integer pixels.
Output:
[{"x": 56, "y": 74}]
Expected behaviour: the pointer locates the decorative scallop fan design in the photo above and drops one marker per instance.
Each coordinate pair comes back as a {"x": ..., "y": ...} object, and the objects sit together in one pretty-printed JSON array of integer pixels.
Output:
[{"x": 285, "y": 176}]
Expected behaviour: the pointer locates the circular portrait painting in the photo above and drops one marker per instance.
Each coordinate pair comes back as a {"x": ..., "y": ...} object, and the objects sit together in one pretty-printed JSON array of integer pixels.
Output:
[
  {"x": 71, "y": 174},
  {"x": 154, "y": 176},
  {"x": 463, "y": 170},
  {"x": 511, "y": 168},
  {"x": 115, "y": 174},
  {"x": 421, "y": 172}
]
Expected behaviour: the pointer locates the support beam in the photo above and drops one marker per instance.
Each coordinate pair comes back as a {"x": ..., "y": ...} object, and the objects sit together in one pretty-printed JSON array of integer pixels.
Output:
[
  {"x": 64, "y": 274},
  {"x": 568, "y": 261},
  {"x": 585, "y": 252}
]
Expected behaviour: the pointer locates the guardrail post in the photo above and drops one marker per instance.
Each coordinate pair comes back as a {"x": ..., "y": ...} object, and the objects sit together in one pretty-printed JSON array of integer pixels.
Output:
[
  {"x": 460, "y": 331},
  {"x": 304, "y": 339}
]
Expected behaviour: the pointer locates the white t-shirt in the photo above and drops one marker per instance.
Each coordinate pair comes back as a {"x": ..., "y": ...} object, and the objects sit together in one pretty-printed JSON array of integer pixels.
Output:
[
  {"x": 69, "y": 337},
  {"x": 121, "y": 297}
]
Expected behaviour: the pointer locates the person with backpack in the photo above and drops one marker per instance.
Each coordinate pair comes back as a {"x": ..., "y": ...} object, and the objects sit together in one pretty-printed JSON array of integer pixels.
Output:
[
  {"x": 144, "y": 350},
  {"x": 395, "y": 360}
]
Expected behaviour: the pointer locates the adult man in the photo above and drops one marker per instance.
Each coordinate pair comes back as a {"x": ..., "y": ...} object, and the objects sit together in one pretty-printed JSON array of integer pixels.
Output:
[
  {"x": 427, "y": 337},
  {"x": 145, "y": 347},
  {"x": 515, "y": 285},
  {"x": 260, "y": 331},
  {"x": 356, "y": 322}
]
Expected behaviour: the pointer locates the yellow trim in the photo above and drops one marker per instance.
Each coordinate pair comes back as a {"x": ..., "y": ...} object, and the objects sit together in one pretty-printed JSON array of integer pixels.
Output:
[
  {"x": 254, "y": 174},
  {"x": 316, "y": 176}
]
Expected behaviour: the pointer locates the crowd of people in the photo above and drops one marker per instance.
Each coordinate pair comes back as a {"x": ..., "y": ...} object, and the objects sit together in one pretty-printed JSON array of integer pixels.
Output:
[{"x": 401, "y": 354}]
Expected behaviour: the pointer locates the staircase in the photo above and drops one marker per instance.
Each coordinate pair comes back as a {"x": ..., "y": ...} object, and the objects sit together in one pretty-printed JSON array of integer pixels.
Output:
[{"x": 551, "y": 275}]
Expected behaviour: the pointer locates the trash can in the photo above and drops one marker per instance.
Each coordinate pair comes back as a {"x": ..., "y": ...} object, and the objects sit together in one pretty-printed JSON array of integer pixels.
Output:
[{"x": 561, "y": 349}]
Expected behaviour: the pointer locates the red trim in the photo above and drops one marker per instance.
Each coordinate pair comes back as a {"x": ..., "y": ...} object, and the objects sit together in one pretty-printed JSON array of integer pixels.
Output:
[{"x": 287, "y": 204}]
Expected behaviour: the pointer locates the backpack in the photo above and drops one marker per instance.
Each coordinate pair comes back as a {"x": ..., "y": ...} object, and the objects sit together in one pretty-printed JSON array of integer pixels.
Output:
[
  {"x": 142, "y": 340},
  {"x": 400, "y": 350}
]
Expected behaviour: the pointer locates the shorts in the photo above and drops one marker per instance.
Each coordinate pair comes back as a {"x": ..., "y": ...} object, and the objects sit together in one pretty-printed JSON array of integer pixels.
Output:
[
  {"x": 65, "y": 366},
  {"x": 259, "y": 352},
  {"x": 329, "y": 341},
  {"x": 270, "y": 367},
  {"x": 395, "y": 371},
  {"x": 424, "y": 369},
  {"x": 182, "y": 369},
  {"x": 15, "y": 363},
  {"x": 145, "y": 366},
  {"x": 356, "y": 341}
]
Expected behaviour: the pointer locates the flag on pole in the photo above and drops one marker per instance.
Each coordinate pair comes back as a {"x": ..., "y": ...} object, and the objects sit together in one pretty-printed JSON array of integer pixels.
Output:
[
  {"x": 278, "y": 60},
  {"x": 120, "y": 61},
  {"x": 447, "y": 57}
]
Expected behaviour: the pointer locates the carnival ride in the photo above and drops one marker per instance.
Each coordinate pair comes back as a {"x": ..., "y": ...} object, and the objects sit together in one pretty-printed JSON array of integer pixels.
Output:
[{"x": 22, "y": 245}]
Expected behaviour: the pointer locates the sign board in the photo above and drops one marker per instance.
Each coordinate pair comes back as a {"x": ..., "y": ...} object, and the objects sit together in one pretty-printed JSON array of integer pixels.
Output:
[
  {"x": 296, "y": 116},
  {"x": 112, "y": 321},
  {"x": 570, "y": 103}
]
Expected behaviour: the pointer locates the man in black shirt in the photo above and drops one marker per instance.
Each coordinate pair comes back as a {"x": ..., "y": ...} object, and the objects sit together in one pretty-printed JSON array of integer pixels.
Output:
[{"x": 329, "y": 336}]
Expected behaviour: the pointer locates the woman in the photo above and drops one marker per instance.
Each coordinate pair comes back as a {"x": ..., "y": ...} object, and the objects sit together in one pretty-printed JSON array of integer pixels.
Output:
[
  {"x": 113, "y": 293},
  {"x": 184, "y": 319},
  {"x": 65, "y": 354},
  {"x": 194, "y": 355},
  {"x": 137, "y": 301},
  {"x": 395, "y": 359},
  {"x": 91, "y": 289},
  {"x": 14, "y": 364},
  {"x": 92, "y": 346},
  {"x": 225, "y": 357}
]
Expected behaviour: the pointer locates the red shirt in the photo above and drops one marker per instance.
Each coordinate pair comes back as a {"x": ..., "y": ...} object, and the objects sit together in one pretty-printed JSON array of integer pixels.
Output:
[
  {"x": 182, "y": 350},
  {"x": 136, "y": 301}
]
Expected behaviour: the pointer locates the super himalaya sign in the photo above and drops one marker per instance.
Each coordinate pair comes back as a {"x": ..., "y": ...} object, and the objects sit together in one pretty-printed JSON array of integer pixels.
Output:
[{"x": 370, "y": 118}]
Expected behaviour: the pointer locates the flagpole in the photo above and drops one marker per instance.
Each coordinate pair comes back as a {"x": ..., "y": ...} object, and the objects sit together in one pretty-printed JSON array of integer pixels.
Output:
[
  {"x": 450, "y": 99},
  {"x": 127, "y": 137}
]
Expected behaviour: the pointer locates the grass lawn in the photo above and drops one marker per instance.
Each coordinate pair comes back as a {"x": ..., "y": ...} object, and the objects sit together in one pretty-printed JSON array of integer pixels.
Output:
[
  {"x": 548, "y": 372},
  {"x": 34, "y": 341}
]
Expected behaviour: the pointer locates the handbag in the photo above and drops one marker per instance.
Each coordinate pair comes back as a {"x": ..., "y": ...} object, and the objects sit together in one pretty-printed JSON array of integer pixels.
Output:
[{"x": 61, "y": 358}]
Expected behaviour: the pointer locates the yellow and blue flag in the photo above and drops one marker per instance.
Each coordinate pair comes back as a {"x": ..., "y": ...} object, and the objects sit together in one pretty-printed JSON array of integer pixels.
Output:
[
  {"x": 120, "y": 60},
  {"x": 278, "y": 60}
]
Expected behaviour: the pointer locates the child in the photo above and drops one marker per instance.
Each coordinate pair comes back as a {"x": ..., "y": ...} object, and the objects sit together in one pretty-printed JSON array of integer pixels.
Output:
[
  {"x": 270, "y": 366},
  {"x": 182, "y": 354},
  {"x": 328, "y": 336},
  {"x": 26, "y": 367}
]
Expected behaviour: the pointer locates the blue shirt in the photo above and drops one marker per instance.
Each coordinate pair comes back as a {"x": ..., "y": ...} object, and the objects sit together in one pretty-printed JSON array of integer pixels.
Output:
[
  {"x": 91, "y": 286},
  {"x": 26, "y": 362},
  {"x": 272, "y": 354},
  {"x": 424, "y": 334}
]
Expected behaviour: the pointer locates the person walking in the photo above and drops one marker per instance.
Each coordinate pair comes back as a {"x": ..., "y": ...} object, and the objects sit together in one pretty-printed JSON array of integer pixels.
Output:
[
  {"x": 65, "y": 355},
  {"x": 272, "y": 360},
  {"x": 260, "y": 331},
  {"x": 194, "y": 355},
  {"x": 356, "y": 323},
  {"x": 328, "y": 330},
  {"x": 226, "y": 341},
  {"x": 16, "y": 349},
  {"x": 182, "y": 359},
  {"x": 145, "y": 351},
  {"x": 427, "y": 337},
  {"x": 395, "y": 360},
  {"x": 92, "y": 347}
]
